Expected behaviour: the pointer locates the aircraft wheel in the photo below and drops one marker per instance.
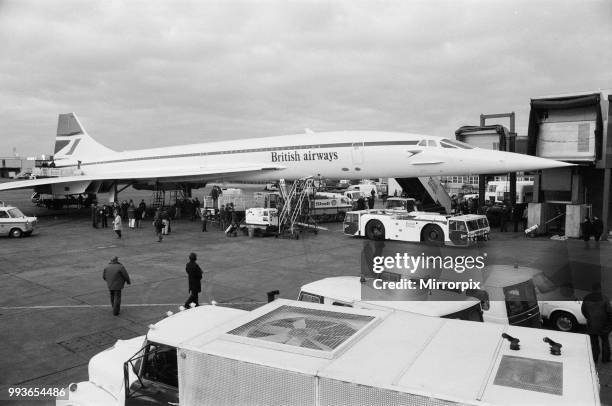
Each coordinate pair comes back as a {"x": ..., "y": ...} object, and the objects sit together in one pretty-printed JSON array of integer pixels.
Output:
[
  {"x": 15, "y": 233},
  {"x": 375, "y": 230},
  {"x": 564, "y": 321},
  {"x": 433, "y": 234}
]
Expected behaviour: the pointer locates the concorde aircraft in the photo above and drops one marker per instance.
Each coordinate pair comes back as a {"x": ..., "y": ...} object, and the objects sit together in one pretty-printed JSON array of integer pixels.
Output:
[{"x": 82, "y": 165}]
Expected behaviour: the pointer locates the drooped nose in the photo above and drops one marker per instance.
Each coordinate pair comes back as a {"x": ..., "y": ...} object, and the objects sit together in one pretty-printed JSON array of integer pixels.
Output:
[{"x": 491, "y": 162}]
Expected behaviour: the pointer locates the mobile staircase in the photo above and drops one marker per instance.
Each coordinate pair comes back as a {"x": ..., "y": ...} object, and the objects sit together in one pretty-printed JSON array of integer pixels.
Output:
[{"x": 295, "y": 214}]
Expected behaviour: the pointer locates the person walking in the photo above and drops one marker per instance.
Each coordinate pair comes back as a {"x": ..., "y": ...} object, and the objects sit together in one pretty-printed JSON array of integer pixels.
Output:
[
  {"x": 117, "y": 224},
  {"x": 586, "y": 227},
  {"x": 94, "y": 215},
  {"x": 194, "y": 275},
  {"x": 131, "y": 212},
  {"x": 597, "y": 228},
  {"x": 143, "y": 209},
  {"x": 165, "y": 217},
  {"x": 158, "y": 224},
  {"x": 195, "y": 211},
  {"x": 597, "y": 310},
  {"x": 204, "y": 218},
  {"x": 103, "y": 213},
  {"x": 222, "y": 224},
  {"x": 115, "y": 276}
]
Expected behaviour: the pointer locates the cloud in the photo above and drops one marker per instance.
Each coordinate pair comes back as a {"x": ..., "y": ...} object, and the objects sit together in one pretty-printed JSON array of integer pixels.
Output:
[{"x": 151, "y": 73}]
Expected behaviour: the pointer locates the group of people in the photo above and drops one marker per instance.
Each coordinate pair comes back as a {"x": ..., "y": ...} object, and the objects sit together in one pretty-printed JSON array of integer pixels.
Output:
[
  {"x": 366, "y": 202},
  {"x": 116, "y": 276},
  {"x": 591, "y": 227},
  {"x": 126, "y": 211},
  {"x": 228, "y": 219}
]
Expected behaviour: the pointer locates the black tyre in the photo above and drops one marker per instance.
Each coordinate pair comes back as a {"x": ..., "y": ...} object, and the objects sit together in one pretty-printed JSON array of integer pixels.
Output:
[
  {"x": 432, "y": 234},
  {"x": 375, "y": 230},
  {"x": 15, "y": 233},
  {"x": 563, "y": 321}
]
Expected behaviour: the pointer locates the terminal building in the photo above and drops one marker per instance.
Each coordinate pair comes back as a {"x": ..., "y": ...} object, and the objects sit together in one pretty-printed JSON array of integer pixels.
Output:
[
  {"x": 10, "y": 166},
  {"x": 572, "y": 128}
]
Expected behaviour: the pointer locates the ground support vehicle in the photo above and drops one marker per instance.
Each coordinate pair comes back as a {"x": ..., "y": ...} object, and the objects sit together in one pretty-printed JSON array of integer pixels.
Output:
[
  {"x": 417, "y": 226},
  {"x": 329, "y": 206},
  {"x": 14, "y": 223},
  {"x": 260, "y": 221},
  {"x": 297, "y": 353},
  {"x": 348, "y": 291},
  {"x": 401, "y": 204},
  {"x": 242, "y": 201},
  {"x": 58, "y": 202}
]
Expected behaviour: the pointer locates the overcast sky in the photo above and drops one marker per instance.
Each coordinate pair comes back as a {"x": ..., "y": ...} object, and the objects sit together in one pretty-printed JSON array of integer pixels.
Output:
[{"x": 152, "y": 73}]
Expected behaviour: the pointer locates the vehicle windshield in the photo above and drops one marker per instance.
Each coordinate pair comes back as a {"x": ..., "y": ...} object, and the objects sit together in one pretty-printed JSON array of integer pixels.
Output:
[
  {"x": 456, "y": 225},
  {"x": 446, "y": 143},
  {"x": 473, "y": 225},
  {"x": 520, "y": 298},
  {"x": 310, "y": 297},
  {"x": 473, "y": 313},
  {"x": 160, "y": 364},
  {"x": 406, "y": 205},
  {"x": 15, "y": 213},
  {"x": 351, "y": 218}
]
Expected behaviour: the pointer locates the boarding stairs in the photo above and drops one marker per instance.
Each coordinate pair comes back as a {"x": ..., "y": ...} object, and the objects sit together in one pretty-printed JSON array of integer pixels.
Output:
[
  {"x": 295, "y": 214},
  {"x": 158, "y": 198},
  {"x": 429, "y": 190}
]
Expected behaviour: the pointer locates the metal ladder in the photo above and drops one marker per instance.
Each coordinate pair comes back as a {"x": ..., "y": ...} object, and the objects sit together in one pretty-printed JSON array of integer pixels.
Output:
[{"x": 295, "y": 201}]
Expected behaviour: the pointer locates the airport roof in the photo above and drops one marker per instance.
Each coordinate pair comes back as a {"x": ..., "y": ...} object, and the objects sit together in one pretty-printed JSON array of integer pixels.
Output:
[
  {"x": 441, "y": 358},
  {"x": 189, "y": 323}
]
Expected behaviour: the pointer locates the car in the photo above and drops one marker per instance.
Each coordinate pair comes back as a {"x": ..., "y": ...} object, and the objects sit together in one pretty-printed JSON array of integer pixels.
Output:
[
  {"x": 14, "y": 223},
  {"x": 559, "y": 303}
]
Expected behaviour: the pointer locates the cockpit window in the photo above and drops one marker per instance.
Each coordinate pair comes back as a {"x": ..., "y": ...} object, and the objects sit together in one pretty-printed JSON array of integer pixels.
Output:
[
  {"x": 454, "y": 143},
  {"x": 427, "y": 143}
]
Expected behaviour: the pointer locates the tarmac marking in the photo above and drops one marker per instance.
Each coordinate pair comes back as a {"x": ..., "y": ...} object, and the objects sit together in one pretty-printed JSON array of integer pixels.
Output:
[{"x": 122, "y": 305}]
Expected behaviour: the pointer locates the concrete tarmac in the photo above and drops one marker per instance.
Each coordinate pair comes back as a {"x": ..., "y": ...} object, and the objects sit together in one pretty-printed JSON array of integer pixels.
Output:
[{"x": 55, "y": 311}]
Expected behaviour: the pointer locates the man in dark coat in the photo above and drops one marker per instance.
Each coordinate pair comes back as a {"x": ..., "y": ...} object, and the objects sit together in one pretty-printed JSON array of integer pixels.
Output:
[
  {"x": 194, "y": 274},
  {"x": 597, "y": 228},
  {"x": 597, "y": 310},
  {"x": 115, "y": 276},
  {"x": 586, "y": 228}
]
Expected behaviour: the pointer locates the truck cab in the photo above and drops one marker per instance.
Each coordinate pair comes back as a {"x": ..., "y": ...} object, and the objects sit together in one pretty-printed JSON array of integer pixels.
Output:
[
  {"x": 14, "y": 223},
  {"x": 401, "y": 204},
  {"x": 146, "y": 365}
]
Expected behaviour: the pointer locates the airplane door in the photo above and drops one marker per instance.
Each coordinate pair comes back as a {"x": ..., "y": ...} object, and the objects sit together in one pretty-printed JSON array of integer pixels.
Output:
[{"x": 357, "y": 153}]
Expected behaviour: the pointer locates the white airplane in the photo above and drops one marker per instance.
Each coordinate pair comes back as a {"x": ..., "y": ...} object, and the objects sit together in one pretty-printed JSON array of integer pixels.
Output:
[{"x": 82, "y": 165}]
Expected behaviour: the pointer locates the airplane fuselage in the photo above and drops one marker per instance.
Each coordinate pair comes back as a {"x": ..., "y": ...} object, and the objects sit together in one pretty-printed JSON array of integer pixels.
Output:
[{"x": 336, "y": 155}]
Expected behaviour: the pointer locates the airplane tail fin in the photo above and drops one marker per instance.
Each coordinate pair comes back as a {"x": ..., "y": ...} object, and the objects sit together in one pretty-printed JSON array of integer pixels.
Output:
[{"x": 73, "y": 142}]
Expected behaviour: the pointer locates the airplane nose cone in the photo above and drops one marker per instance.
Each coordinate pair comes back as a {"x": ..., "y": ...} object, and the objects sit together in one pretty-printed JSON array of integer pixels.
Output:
[{"x": 513, "y": 162}]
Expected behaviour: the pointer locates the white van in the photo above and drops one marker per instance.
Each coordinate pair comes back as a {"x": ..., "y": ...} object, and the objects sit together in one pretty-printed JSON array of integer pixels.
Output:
[
  {"x": 365, "y": 188},
  {"x": 347, "y": 291},
  {"x": 499, "y": 191}
]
